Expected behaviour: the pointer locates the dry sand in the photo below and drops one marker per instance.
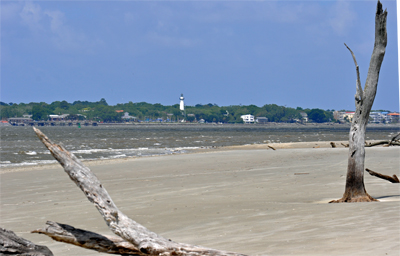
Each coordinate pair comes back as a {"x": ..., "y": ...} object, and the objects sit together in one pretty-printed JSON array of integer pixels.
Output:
[{"x": 247, "y": 199}]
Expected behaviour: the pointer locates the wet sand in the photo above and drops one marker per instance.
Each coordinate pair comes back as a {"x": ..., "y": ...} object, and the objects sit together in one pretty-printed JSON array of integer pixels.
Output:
[{"x": 248, "y": 199}]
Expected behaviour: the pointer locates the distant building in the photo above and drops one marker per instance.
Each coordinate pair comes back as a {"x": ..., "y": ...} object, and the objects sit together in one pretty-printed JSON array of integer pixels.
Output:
[
  {"x": 119, "y": 111},
  {"x": 247, "y": 118},
  {"x": 127, "y": 117},
  {"x": 348, "y": 116},
  {"x": 58, "y": 117},
  {"x": 393, "y": 117},
  {"x": 376, "y": 117},
  {"x": 181, "y": 103},
  {"x": 304, "y": 117},
  {"x": 261, "y": 120},
  {"x": 19, "y": 120}
]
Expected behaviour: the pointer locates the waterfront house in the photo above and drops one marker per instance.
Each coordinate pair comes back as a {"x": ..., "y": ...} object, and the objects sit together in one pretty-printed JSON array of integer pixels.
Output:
[
  {"x": 58, "y": 117},
  {"x": 247, "y": 118},
  {"x": 262, "y": 120},
  {"x": 126, "y": 117},
  {"x": 393, "y": 117},
  {"x": 304, "y": 117}
]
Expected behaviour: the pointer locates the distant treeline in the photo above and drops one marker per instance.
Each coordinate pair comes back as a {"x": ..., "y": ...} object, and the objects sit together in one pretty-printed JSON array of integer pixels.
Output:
[{"x": 142, "y": 111}]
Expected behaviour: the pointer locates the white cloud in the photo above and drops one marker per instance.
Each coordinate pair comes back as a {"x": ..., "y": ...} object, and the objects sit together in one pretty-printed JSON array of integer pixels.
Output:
[
  {"x": 31, "y": 16},
  {"x": 56, "y": 20},
  {"x": 341, "y": 17},
  {"x": 52, "y": 25}
]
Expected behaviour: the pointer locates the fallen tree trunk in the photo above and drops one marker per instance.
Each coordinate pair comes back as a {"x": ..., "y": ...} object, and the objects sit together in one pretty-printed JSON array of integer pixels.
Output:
[
  {"x": 11, "y": 244},
  {"x": 148, "y": 243},
  {"x": 393, "y": 179},
  {"x": 87, "y": 239}
]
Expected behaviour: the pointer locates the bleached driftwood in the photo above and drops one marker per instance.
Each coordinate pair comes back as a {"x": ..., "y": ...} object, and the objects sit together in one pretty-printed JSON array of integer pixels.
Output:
[
  {"x": 385, "y": 143},
  {"x": 147, "y": 242},
  {"x": 11, "y": 244}
]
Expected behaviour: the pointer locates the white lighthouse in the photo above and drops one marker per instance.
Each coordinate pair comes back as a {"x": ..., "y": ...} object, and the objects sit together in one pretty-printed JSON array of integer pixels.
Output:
[{"x": 181, "y": 104}]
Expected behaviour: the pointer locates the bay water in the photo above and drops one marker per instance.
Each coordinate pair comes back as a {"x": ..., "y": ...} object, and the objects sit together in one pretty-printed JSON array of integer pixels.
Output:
[{"x": 21, "y": 147}]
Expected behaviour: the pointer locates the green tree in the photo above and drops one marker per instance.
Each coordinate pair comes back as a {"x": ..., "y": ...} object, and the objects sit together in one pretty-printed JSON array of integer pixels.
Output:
[
  {"x": 317, "y": 115},
  {"x": 39, "y": 112}
]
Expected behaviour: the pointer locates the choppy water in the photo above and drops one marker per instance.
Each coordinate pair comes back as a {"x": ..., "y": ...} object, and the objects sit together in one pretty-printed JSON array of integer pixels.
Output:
[{"x": 20, "y": 146}]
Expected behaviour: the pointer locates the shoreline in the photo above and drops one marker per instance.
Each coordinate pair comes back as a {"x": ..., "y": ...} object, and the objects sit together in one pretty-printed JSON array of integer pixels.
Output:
[
  {"x": 266, "y": 146},
  {"x": 267, "y": 125}
]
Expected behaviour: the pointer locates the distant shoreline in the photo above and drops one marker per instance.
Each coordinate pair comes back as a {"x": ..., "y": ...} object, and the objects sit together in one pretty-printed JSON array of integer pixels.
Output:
[
  {"x": 269, "y": 124},
  {"x": 264, "y": 146}
]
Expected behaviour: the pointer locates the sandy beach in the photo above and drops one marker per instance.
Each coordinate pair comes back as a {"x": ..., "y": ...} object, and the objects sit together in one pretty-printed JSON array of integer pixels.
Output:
[{"x": 248, "y": 199}]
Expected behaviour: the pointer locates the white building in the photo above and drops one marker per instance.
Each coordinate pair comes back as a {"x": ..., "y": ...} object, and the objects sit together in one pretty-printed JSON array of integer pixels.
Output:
[
  {"x": 127, "y": 117},
  {"x": 248, "y": 118},
  {"x": 304, "y": 117},
  {"x": 58, "y": 117},
  {"x": 182, "y": 104}
]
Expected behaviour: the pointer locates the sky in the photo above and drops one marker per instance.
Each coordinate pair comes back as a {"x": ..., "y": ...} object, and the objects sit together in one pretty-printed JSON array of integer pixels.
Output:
[{"x": 289, "y": 53}]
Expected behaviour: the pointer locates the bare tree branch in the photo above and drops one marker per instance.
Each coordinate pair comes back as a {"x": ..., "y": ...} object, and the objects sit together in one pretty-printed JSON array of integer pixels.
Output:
[
  {"x": 393, "y": 179},
  {"x": 393, "y": 139},
  {"x": 359, "y": 90}
]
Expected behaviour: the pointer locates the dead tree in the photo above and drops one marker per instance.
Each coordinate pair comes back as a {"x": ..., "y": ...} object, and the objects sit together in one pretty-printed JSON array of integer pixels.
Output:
[
  {"x": 147, "y": 242},
  {"x": 355, "y": 189}
]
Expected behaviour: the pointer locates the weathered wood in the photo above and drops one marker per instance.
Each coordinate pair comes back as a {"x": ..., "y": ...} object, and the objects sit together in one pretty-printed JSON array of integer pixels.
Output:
[
  {"x": 393, "y": 179},
  {"x": 271, "y": 147},
  {"x": 87, "y": 239},
  {"x": 393, "y": 139},
  {"x": 355, "y": 189},
  {"x": 385, "y": 143},
  {"x": 11, "y": 244},
  {"x": 147, "y": 242}
]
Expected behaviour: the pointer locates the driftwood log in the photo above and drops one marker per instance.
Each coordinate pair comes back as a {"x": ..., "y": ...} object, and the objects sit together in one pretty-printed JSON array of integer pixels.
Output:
[
  {"x": 364, "y": 99},
  {"x": 393, "y": 179},
  {"x": 386, "y": 143},
  {"x": 11, "y": 244},
  {"x": 147, "y": 242},
  {"x": 87, "y": 239}
]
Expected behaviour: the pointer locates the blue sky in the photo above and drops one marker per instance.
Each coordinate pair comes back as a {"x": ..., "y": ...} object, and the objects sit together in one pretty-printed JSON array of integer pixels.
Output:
[{"x": 224, "y": 52}]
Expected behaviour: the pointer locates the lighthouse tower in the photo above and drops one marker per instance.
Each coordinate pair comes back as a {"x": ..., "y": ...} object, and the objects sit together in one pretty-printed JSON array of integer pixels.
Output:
[{"x": 182, "y": 104}]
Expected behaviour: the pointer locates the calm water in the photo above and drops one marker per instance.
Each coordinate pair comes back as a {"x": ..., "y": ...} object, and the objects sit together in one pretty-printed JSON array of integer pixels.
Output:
[{"x": 20, "y": 146}]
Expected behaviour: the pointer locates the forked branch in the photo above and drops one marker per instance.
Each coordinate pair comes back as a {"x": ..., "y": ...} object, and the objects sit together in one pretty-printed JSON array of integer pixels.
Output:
[{"x": 359, "y": 90}]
